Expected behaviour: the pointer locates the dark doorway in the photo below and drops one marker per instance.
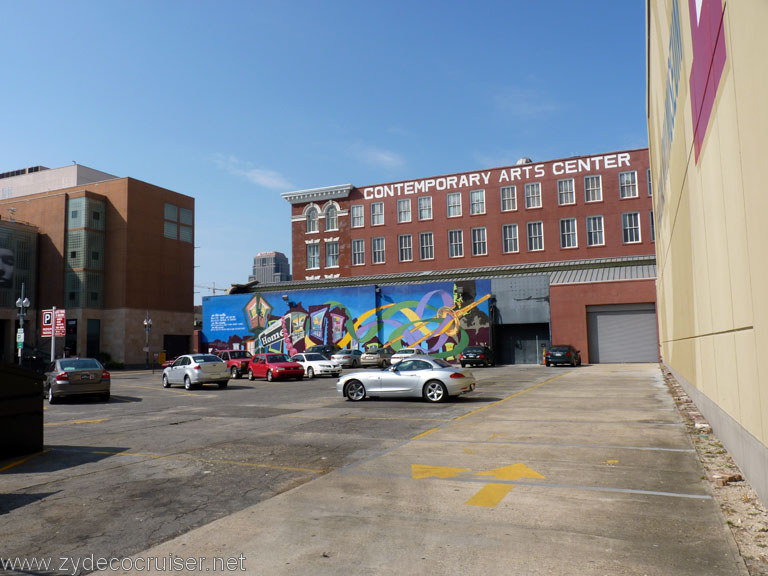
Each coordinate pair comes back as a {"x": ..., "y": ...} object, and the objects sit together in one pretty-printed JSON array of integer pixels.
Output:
[
  {"x": 93, "y": 338},
  {"x": 70, "y": 339},
  {"x": 176, "y": 345},
  {"x": 520, "y": 343}
]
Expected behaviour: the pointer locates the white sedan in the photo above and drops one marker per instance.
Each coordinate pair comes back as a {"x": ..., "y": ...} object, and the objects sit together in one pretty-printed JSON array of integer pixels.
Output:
[
  {"x": 317, "y": 364},
  {"x": 405, "y": 353}
]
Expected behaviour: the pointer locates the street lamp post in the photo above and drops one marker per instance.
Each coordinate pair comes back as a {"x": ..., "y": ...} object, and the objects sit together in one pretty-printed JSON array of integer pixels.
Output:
[
  {"x": 22, "y": 304},
  {"x": 147, "y": 328}
]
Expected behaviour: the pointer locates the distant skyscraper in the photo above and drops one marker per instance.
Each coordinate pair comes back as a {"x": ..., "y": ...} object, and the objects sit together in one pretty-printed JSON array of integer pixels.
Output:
[{"x": 270, "y": 267}]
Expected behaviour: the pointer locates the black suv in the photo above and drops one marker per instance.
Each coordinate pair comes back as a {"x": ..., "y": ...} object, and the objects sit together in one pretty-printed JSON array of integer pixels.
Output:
[
  {"x": 326, "y": 350},
  {"x": 476, "y": 355}
]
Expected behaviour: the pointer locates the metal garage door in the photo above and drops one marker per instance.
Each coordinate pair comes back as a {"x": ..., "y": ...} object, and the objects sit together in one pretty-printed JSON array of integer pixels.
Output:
[{"x": 622, "y": 333}]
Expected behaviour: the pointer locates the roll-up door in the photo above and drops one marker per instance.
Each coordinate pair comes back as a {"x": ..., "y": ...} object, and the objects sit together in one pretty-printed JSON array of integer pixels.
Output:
[{"x": 622, "y": 333}]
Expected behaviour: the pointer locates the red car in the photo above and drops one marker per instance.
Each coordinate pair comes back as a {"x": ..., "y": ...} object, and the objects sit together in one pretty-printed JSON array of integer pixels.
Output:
[
  {"x": 274, "y": 366},
  {"x": 237, "y": 361}
]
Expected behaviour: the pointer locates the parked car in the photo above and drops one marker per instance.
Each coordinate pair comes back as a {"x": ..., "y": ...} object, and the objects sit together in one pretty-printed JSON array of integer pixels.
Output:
[
  {"x": 317, "y": 364},
  {"x": 404, "y": 353},
  {"x": 348, "y": 358},
  {"x": 563, "y": 355},
  {"x": 236, "y": 360},
  {"x": 433, "y": 379},
  {"x": 194, "y": 370},
  {"x": 326, "y": 350},
  {"x": 376, "y": 356},
  {"x": 76, "y": 376},
  {"x": 476, "y": 355},
  {"x": 273, "y": 366}
]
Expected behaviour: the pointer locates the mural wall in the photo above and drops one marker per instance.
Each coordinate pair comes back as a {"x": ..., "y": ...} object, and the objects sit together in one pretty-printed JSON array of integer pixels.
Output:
[{"x": 442, "y": 318}]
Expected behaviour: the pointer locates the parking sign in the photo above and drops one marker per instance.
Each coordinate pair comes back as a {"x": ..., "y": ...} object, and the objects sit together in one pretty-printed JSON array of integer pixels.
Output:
[{"x": 51, "y": 325}]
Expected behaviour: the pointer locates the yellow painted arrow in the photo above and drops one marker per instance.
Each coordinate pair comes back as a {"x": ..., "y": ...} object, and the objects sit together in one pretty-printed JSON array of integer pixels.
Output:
[
  {"x": 513, "y": 472},
  {"x": 419, "y": 471}
]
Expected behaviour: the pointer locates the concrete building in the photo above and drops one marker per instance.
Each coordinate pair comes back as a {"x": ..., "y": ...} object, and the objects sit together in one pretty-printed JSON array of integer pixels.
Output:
[
  {"x": 270, "y": 267},
  {"x": 112, "y": 252},
  {"x": 707, "y": 121}
]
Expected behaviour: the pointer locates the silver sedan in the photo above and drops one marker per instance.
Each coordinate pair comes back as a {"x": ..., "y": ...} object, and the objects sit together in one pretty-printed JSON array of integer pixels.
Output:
[
  {"x": 194, "y": 370},
  {"x": 433, "y": 379}
]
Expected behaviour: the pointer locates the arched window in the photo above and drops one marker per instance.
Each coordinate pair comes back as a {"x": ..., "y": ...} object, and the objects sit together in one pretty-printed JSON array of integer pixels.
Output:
[
  {"x": 312, "y": 220},
  {"x": 331, "y": 218}
]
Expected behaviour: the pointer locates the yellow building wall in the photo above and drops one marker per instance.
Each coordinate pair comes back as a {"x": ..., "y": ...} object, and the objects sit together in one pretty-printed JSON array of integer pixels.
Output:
[{"x": 712, "y": 215}]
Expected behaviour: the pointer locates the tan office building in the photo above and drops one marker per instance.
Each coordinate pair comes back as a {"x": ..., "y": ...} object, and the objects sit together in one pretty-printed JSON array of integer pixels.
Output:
[
  {"x": 707, "y": 127},
  {"x": 112, "y": 252}
]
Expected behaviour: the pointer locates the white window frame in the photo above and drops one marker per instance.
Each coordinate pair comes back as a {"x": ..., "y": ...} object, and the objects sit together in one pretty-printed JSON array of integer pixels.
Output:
[
  {"x": 479, "y": 241},
  {"x": 377, "y": 214},
  {"x": 628, "y": 189},
  {"x": 628, "y": 229},
  {"x": 403, "y": 210},
  {"x": 425, "y": 206},
  {"x": 331, "y": 219},
  {"x": 652, "y": 223},
  {"x": 424, "y": 247},
  {"x": 530, "y": 237},
  {"x": 591, "y": 193},
  {"x": 649, "y": 182},
  {"x": 565, "y": 196},
  {"x": 532, "y": 195},
  {"x": 456, "y": 243},
  {"x": 358, "y": 252},
  {"x": 449, "y": 198},
  {"x": 405, "y": 248},
  {"x": 593, "y": 232},
  {"x": 332, "y": 254},
  {"x": 357, "y": 212},
  {"x": 508, "y": 198},
  {"x": 378, "y": 251},
  {"x": 476, "y": 202},
  {"x": 313, "y": 258},
  {"x": 507, "y": 239},
  {"x": 313, "y": 219},
  {"x": 569, "y": 238}
]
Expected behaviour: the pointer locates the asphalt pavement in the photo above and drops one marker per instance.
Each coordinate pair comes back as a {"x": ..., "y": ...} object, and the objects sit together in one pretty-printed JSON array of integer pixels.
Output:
[{"x": 586, "y": 471}]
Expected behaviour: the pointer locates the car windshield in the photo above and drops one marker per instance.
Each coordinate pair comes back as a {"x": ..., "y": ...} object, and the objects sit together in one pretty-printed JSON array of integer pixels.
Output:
[
  {"x": 313, "y": 357},
  {"x": 474, "y": 349},
  {"x": 80, "y": 364},
  {"x": 203, "y": 358},
  {"x": 277, "y": 358},
  {"x": 559, "y": 349},
  {"x": 237, "y": 354}
]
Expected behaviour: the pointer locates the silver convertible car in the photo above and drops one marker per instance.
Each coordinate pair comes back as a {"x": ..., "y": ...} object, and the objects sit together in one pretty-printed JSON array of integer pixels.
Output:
[
  {"x": 194, "y": 370},
  {"x": 431, "y": 378}
]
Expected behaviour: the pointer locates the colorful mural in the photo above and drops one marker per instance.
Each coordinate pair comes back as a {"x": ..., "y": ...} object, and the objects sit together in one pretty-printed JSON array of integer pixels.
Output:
[{"x": 442, "y": 318}]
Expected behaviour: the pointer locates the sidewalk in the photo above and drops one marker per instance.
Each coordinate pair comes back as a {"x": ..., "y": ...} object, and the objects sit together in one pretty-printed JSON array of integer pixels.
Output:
[{"x": 589, "y": 472}]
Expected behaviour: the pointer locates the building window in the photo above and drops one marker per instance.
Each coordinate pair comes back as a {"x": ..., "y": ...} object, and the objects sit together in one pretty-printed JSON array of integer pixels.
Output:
[
  {"x": 311, "y": 220},
  {"x": 73, "y": 254},
  {"x": 509, "y": 238},
  {"x": 170, "y": 230},
  {"x": 331, "y": 254},
  {"x": 357, "y": 216},
  {"x": 313, "y": 256},
  {"x": 653, "y": 226},
  {"x": 97, "y": 215},
  {"x": 454, "y": 204},
  {"x": 533, "y": 195},
  {"x": 170, "y": 212},
  {"x": 648, "y": 178},
  {"x": 331, "y": 219},
  {"x": 170, "y": 224},
  {"x": 377, "y": 246},
  {"x": 630, "y": 224},
  {"x": 455, "y": 243},
  {"x": 425, "y": 208},
  {"x": 568, "y": 233},
  {"x": 565, "y": 192},
  {"x": 477, "y": 202},
  {"x": 74, "y": 214},
  {"x": 405, "y": 244},
  {"x": 479, "y": 244},
  {"x": 426, "y": 246},
  {"x": 595, "y": 231},
  {"x": 508, "y": 198},
  {"x": 404, "y": 210},
  {"x": 628, "y": 184},
  {"x": 593, "y": 188},
  {"x": 377, "y": 214},
  {"x": 535, "y": 236},
  {"x": 358, "y": 252}
]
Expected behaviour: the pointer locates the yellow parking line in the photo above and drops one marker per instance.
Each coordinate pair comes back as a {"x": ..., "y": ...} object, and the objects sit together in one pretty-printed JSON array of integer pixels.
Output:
[
  {"x": 68, "y": 422},
  {"x": 12, "y": 464}
]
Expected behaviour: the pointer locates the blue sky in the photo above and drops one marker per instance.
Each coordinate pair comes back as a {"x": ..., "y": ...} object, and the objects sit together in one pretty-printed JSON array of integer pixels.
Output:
[{"x": 234, "y": 102}]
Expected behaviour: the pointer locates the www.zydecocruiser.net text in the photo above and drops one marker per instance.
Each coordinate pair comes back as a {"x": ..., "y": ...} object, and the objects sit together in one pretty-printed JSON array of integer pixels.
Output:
[{"x": 169, "y": 563}]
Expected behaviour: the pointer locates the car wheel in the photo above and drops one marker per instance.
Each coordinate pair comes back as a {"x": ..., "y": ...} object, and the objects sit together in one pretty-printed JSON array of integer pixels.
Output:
[
  {"x": 573, "y": 362},
  {"x": 250, "y": 374},
  {"x": 548, "y": 364},
  {"x": 235, "y": 373},
  {"x": 223, "y": 385},
  {"x": 463, "y": 364},
  {"x": 487, "y": 363},
  {"x": 105, "y": 397},
  {"x": 310, "y": 373},
  {"x": 269, "y": 376},
  {"x": 166, "y": 384},
  {"x": 354, "y": 391},
  {"x": 435, "y": 391},
  {"x": 187, "y": 383},
  {"x": 51, "y": 398}
]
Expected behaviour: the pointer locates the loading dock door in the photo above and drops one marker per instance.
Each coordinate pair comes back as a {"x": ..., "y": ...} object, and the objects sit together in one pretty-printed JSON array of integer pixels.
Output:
[{"x": 622, "y": 333}]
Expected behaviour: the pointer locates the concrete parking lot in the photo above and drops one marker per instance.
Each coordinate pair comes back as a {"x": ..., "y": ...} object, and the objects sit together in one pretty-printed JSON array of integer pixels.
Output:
[{"x": 539, "y": 471}]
